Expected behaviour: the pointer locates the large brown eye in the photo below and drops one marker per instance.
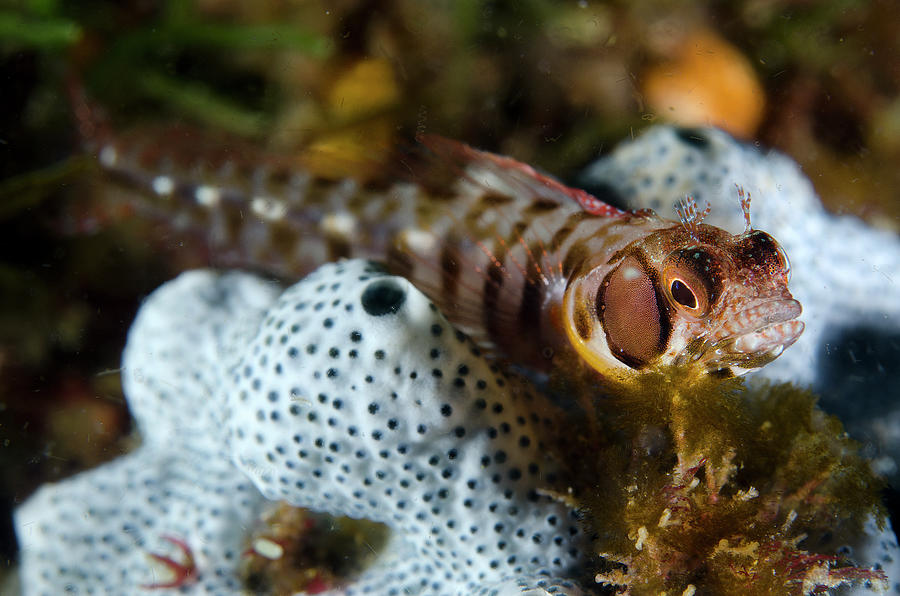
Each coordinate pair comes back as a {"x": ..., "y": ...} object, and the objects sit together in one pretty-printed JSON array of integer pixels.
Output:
[{"x": 627, "y": 305}]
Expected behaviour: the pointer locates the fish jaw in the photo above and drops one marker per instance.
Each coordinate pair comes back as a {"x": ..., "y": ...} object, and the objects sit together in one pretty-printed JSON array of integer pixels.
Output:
[
  {"x": 780, "y": 334},
  {"x": 750, "y": 338}
]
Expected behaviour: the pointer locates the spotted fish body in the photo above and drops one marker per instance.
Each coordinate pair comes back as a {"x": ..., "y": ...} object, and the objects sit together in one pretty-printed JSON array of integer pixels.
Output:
[{"x": 548, "y": 275}]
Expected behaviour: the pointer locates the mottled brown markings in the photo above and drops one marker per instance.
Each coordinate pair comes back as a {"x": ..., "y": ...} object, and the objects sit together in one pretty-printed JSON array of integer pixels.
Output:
[
  {"x": 499, "y": 249},
  {"x": 282, "y": 239},
  {"x": 388, "y": 211},
  {"x": 494, "y": 200},
  {"x": 318, "y": 193},
  {"x": 518, "y": 232},
  {"x": 582, "y": 317},
  {"x": 357, "y": 203},
  {"x": 533, "y": 284},
  {"x": 450, "y": 269},
  {"x": 577, "y": 254},
  {"x": 150, "y": 157},
  {"x": 537, "y": 266},
  {"x": 129, "y": 180},
  {"x": 424, "y": 215},
  {"x": 540, "y": 206},
  {"x": 613, "y": 238},
  {"x": 302, "y": 219},
  {"x": 296, "y": 192},
  {"x": 529, "y": 316},
  {"x": 338, "y": 247},
  {"x": 279, "y": 177},
  {"x": 398, "y": 260},
  {"x": 493, "y": 282},
  {"x": 566, "y": 229},
  {"x": 234, "y": 221},
  {"x": 199, "y": 214},
  {"x": 243, "y": 171},
  {"x": 516, "y": 235},
  {"x": 472, "y": 216},
  {"x": 443, "y": 195},
  {"x": 485, "y": 203}
]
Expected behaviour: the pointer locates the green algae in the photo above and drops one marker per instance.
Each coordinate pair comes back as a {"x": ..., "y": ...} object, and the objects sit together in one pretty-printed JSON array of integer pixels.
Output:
[
  {"x": 20, "y": 31},
  {"x": 201, "y": 104},
  {"x": 29, "y": 189}
]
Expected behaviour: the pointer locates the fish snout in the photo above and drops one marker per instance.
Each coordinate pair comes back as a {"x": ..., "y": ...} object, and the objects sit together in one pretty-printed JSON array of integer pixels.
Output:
[
  {"x": 771, "y": 325},
  {"x": 752, "y": 337}
]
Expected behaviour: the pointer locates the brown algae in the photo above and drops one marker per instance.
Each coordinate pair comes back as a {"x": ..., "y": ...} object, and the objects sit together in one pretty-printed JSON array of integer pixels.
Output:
[{"x": 711, "y": 486}]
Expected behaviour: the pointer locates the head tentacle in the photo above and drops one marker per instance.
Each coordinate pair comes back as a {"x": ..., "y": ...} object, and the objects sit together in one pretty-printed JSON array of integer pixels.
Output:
[
  {"x": 690, "y": 214},
  {"x": 744, "y": 197}
]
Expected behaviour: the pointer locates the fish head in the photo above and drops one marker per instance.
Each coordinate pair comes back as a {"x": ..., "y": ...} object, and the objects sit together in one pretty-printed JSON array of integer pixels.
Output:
[{"x": 694, "y": 296}]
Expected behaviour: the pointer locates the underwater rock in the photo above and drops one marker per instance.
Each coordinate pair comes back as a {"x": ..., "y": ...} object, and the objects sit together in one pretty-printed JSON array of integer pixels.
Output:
[
  {"x": 350, "y": 395},
  {"x": 845, "y": 273}
]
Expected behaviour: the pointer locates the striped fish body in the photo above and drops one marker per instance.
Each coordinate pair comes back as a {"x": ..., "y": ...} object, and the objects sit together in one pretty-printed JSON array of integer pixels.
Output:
[{"x": 548, "y": 275}]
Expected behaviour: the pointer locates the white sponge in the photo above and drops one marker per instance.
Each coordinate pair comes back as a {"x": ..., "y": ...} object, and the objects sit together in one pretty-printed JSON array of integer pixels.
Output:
[{"x": 348, "y": 394}]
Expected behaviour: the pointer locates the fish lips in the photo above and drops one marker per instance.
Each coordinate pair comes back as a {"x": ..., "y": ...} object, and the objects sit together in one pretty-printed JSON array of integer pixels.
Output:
[
  {"x": 769, "y": 326},
  {"x": 753, "y": 337}
]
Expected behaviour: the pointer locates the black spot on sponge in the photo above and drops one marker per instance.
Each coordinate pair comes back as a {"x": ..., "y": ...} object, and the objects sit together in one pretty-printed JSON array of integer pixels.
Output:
[
  {"x": 383, "y": 297},
  {"x": 692, "y": 137}
]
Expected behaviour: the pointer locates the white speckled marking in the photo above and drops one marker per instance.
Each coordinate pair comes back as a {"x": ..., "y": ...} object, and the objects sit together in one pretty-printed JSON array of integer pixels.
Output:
[
  {"x": 163, "y": 185},
  {"x": 208, "y": 196},
  {"x": 109, "y": 155},
  {"x": 268, "y": 208},
  {"x": 339, "y": 225},
  {"x": 418, "y": 241}
]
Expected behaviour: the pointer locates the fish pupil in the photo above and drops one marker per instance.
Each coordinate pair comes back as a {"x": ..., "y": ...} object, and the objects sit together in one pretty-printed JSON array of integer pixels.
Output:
[{"x": 683, "y": 294}]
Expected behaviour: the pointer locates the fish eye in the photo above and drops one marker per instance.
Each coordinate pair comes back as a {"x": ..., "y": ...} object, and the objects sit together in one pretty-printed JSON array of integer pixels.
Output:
[
  {"x": 629, "y": 310},
  {"x": 785, "y": 262},
  {"x": 682, "y": 294},
  {"x": 691, "y": 280},
  {"x": 759, "y": 249},
  {"x": 687, "y": 290}
]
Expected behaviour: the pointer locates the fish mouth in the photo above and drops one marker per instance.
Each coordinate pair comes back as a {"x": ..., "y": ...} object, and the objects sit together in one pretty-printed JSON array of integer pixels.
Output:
[{"x": 749, "y": 339}]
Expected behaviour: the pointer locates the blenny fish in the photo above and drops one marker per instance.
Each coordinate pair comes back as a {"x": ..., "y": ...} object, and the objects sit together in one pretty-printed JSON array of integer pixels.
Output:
[{"x": 546, "y": 274}]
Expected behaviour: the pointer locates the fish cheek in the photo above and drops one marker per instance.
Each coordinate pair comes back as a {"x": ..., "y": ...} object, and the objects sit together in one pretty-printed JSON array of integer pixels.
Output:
[{"x": 633, "y": 314}]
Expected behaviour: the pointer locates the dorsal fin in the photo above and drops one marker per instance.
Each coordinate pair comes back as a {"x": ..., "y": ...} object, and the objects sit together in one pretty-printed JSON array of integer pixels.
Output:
[{"x": 513, "y": 174}]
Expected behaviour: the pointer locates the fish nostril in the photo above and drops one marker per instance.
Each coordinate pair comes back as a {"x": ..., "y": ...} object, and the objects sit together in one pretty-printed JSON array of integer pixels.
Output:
[{"x": 383, "y": 297}]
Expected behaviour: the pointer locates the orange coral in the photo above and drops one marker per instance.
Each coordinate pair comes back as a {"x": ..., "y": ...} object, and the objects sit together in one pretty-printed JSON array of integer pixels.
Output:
[{"x": 707, "y": 82}]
